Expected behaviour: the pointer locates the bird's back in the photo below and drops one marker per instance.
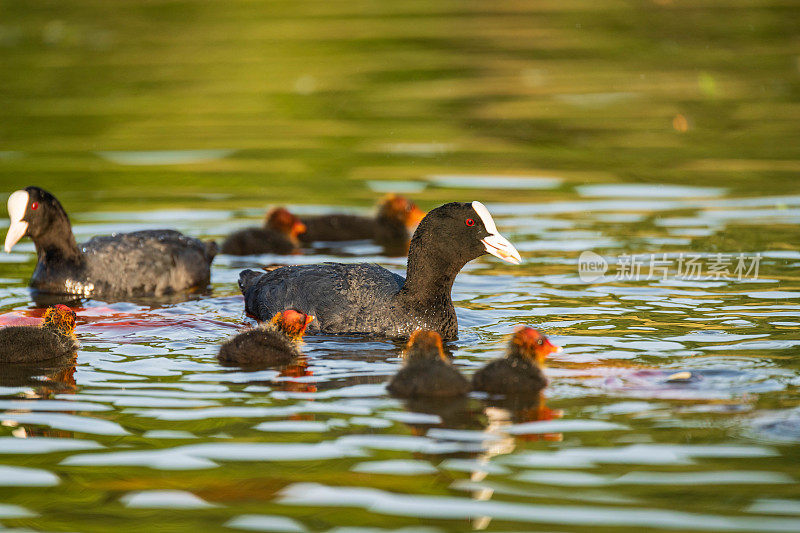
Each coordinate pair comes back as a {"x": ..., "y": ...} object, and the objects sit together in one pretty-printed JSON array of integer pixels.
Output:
[
  {"x": 250, "y": 241},
  {"x": 509, "y": 376},
  {"x": 262, "y": 346},
  {"x": 432, "y": 379},
  {"x": 154, "y": 262},
  {"x": 344, "y": 298},
  {"x": 338, "y": 227}
]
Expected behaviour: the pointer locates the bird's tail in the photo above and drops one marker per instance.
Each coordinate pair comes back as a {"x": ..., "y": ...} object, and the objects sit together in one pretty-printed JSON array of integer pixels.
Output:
[
  {"x": 246, "y": 278},
  {"x": 211, "y": 249}
]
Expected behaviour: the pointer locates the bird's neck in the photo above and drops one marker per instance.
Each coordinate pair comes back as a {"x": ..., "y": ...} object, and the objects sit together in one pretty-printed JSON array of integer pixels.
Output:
[
  {"x": 430, "y": 275},
  {"x": 57, "y": 244}
]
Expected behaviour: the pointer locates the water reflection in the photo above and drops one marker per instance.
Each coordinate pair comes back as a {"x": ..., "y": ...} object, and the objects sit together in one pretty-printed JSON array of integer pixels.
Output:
[{"x": 663, "y": 386}]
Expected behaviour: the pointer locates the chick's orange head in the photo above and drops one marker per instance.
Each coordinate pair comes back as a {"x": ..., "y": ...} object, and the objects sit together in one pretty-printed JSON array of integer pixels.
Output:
[
  {"x": 533, "y": 344},
  {"x": 292, "y": 323},
  {"x": 425, "y": 343},
  {"x": 61, "y": 318},
  {"x": 280, "y": 219},
  {"x": 401, "y": 208}
]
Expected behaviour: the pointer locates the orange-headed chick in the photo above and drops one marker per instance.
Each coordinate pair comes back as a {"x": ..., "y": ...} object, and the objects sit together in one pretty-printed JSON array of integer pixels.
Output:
[
  {"x": 521, "y": 370},
  {"x": 54, "y": 338},
  {"x": 427, "y": 371},
  {"x": 271, "y": 343},
  {"x": 400, "y": 209},
  {"x": 391, "y": 226},
  {"x": 285, "y": 223},
  {"x": 278, "y": 236}
]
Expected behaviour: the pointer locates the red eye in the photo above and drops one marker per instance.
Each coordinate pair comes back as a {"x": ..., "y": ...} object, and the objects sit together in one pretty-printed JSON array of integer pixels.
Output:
[
  {"x": 35, "y": 206},
  {"x": 470, "y": 222}
]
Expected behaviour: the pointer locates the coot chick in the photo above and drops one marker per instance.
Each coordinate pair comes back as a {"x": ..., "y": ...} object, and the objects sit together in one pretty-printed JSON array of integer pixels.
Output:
[
  {"x": 271, "y": 343},
  {"x": 520, "y": 371},
  {"x": 366, "y": 298},
  {"x": 396, "y": 217},
  {"x": 427, "y": 371},
  {"x": 142, "y": 263},
  {"x": 54, "y": 338},
  {"x": 278, "y": 236}
]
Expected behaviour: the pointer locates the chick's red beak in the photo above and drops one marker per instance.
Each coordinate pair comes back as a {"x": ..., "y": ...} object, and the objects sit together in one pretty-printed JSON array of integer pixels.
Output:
[
  {"x": 545, "y": 349},
  {"x": 298, "y": 227}
]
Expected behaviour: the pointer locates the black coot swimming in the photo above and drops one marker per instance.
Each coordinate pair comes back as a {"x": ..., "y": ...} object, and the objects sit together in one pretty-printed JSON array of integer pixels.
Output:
[
  {"x": 142, "y": 263},
  {"x": 366, "y": 298},
  {"x": 520, "y": 371},
  {"x": 271, "y": 343},
  {"x": 54, "y": 338},
  {"x": 427, "y": 371},
  {"x": 278, "y": 236},
  {"x": 390, "y": 227}
]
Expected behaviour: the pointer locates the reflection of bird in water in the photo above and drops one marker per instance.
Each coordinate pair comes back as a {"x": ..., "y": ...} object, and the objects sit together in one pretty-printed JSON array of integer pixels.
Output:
[
  {"x": 455, "y": 413},
  {"x": 500, "y": 414},
  {"x": 45, "y": 380},
  {"x": 297, "y": 370}
]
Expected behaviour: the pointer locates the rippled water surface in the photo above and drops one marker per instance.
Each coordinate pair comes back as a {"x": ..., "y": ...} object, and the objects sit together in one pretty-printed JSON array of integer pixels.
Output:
[{"x": 665, "y": 129}]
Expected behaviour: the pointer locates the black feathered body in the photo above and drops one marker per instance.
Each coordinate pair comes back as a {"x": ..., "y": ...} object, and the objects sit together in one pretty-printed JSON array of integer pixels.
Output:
[
  {"x": 509, "y": 375},
  {"x": 383, "y": 230},
  {"x": 250, "y": 241},
  {"x": 362, "y": 298},
  {"x": 31, "y": 344},
  {"x": 142, "y": 263},
  {"x": 366, "y": 298},
  {"x": 428, "y": 378},
  {"x": 337, "y": 228},
  {"x": 265, "y": 345}
]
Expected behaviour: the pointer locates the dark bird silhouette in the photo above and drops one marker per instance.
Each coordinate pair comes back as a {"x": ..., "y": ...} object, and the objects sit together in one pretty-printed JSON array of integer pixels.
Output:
[
  {"x": 271, "y": 343},
  {"x": 427, "y": 371},
  {"x": 142, "y": 263},
  {"x": 54, "y": 338},
  {"x": 521, "y": 370},
  {"x": 278, "y": 236},
  {"x": 366, "y": 298},
  {"x": 390, "y": 227}
]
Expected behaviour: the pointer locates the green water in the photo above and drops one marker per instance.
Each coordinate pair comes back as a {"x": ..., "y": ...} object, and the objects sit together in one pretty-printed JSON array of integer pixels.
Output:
[{"x": 198, "y": 115}]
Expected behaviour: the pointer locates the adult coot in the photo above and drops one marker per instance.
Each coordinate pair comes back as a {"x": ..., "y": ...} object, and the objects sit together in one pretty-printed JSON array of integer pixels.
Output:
[
  {"x": 271, "y": 343},
  {"x": 396, "y": 217},
  {"x": 520, "y": 371},
  {"x": 142, "y": 263},
  {"x": 278, "y": 236},
  {"x": 368, "y": 299},
  {"x": 427, "y": 371},
  {"x": 55, "y": 337}
]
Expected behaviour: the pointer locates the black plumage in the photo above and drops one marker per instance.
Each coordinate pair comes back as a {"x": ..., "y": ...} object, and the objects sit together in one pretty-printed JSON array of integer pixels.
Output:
[
  {"x": 33, "y": 344},
  {"x": 390, "y": 227},
  {"x": 250, "y": 241},
  {"x": 509, "y": 376},
  {"x": 142, "y": 263},
  {"x": 368, "y": 299},
  {"x": 277, "y": 236},
  {"x": 427, "y": 371}
]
